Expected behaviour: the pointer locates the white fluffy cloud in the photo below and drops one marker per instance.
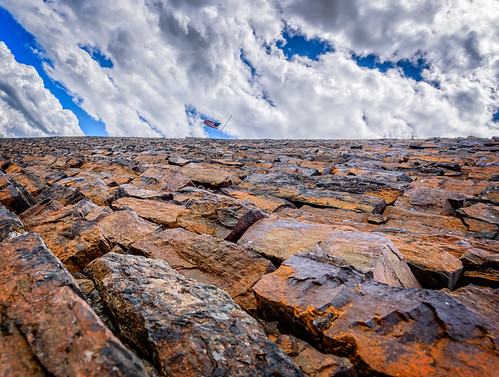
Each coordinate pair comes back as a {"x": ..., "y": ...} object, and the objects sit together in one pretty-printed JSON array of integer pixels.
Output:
[
  {"x": 169, "y": 56},
  {"x": 26, "y": 107}
]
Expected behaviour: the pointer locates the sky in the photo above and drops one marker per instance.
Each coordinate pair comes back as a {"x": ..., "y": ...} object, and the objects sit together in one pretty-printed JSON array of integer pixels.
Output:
[{"x": 301, "y": 69}]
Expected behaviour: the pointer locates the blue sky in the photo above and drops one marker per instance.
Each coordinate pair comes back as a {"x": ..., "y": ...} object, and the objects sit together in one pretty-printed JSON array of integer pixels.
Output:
[{"x": 343, "y": 75}]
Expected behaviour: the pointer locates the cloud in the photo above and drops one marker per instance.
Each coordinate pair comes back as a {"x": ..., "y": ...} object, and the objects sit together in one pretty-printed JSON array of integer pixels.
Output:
[
  {"x": 27, "y": 108},
  {"x": 221, "y": 58}
]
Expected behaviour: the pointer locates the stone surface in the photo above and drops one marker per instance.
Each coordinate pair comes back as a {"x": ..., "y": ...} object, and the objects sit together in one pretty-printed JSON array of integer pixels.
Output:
[
  {"x": 312, "y": 362},
  {"x": 10, "y": 225},
  {"x": 129, "y": 190},
  {"x": 184, "y": 328},
  {"x": 47, "y": 328},
  {"x": 280, "y": 239},
  {"x": 157, "y": 211},
  {"x": 436, "y": 199},
  {"x": 125, "y": 227},
  {"x": 207, "y": 176},
  {"x": 13, "y": 195},
  {"x": 289, "y": 187},
  {"x": 162, "y": 179},
  {"x": 386, "y": 331},
  {"x": 206, "y": 259},
  {"x": 71, "y": 237}
]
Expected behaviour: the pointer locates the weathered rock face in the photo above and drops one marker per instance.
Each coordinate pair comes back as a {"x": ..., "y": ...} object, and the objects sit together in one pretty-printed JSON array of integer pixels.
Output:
[
  {"x": 183, "y": 327},
  {"x": 162, "y": 179},
  {"x": 72, "y": 238},
  {"x": 13, "y": 195},
  {"x": 10, "y": 225},
  {"x": 47, "y": 328},
  {"x": 125, "y": 227},
  {"x": 207, "y": 260},
  {"x": 383, "y": 329},
  {"x": 280, "y": 239},
  {"x": 223, "y": 211}
]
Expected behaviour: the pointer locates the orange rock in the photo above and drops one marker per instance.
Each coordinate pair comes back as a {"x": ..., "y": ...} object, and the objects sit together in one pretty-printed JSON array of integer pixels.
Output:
[
  {"x": 73, "y": 239},
  {"x": 312, "y": 362},
  {"x": 47, "y": 328},
  {"x": 162, "y": 179},
  {"x": 207, "y": 176},
  {"x": 125, "y": 227},
  {"x": 279, "y": 239},
  {"x": 13, "y": 195},
  {"x": 264, "y": 202},
  {"x": 422, "y": 222},
  {"x": 384, "y": 330},
  {"x": 206, "y": 260},
  {"x": 160, "y": 212}
]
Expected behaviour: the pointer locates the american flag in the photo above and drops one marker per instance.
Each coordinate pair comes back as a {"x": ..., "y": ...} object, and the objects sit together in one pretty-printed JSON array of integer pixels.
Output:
[{"x": 211, "y": 124}]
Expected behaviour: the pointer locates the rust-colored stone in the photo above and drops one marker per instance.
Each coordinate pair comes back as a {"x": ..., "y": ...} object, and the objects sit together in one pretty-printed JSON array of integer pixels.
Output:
[
  {"x": 47, "y": 328},
  {"x": 279, "y": 239},
  {"x": 157, "y": 211},
  {"x": 125, "y": 227},
  {"x": 206, "y": 260},
  {"x": 72, "y": 238},
  {"x": 384, "y": 330},
  {"x": 162, "y": 179}
]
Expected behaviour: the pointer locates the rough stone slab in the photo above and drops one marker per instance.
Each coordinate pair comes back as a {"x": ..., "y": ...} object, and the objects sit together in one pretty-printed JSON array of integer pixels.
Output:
[
  {"x": 14, "y": 196},
  {"x": 185, "y": 328},
  {"x": 10, "y": 225},
  {"x": 430, "y": 262},
  {"x": 72, "y": 238},
  {"x": 208, "y": 260},
  {"x": 384, "y": 330},
  {"x": 279, "y": 240},
  {"x": 209, "y": 213},
  {"x": 159, "y": 212},
  {"x": 481, "y": 211},
  {"x": 421, "y": 222},
  {"x": 47, "y": 328},
  {"x": 129, "y": 190},
  {"x": 125, "y": 227},
  {"x": 162, "y": 179},
  {"x": 209, "y": 177},
  {"x": 431, "y": 200},
  {"x": 290, "y": 187}
]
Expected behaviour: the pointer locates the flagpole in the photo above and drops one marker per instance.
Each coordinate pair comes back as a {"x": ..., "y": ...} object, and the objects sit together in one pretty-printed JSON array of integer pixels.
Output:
[{"x": 220, "y": 131}]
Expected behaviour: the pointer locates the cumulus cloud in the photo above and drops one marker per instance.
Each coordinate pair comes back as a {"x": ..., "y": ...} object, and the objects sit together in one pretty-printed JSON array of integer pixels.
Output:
[
  {"x": 27, "y": 108},
  {"x": 169, "y": 62}
]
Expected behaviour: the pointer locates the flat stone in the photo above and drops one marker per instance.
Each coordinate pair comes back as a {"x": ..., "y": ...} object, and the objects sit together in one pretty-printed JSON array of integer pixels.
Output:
[
  {"x": 481, "y": 211},
  {"x": 431, "y": 200},
  {"x": 125, "y": 227},
  {"x": 47, "y": 328},
  {"x": 279, "y": 240},
  {"x": 209, "y": 213},
  {"x": 208, "y": 260},
  {"x": 183, "y": 327},
  {"x": 288, "y": 186},
  {"x": 312, "y": 362},
  {"x": 384, "y": 330},
  {"x": 72, "y": 238},
  {"x": 162, "y": 179},
  {"x": 157, "y": 211},
  {"x": 129, "y": 190},
  {"x": 422, "y": 222},
  {"x": 263, "y": 202},
  {"x": 209, "y": 177},
  {"x": 430, "y": 262}
]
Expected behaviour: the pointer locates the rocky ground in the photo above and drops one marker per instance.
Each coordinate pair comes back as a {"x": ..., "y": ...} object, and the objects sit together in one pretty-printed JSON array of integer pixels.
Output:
[{"x": 195, "y": 257}]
